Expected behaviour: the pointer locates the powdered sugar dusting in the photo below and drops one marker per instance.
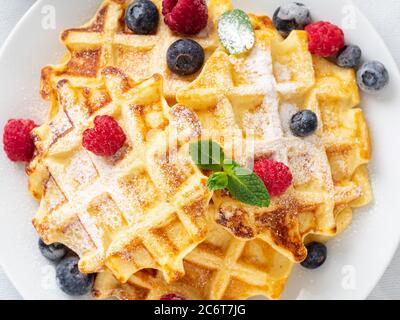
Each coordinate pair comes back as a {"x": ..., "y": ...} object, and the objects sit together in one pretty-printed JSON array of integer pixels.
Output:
[
  {"x": 257, "y": 71},
  {"x": 258, "y": 68},
  {"x": 81, "y": 169},
  {"x": 305, "y": 157},
  {"x": 287, "y": 87},
  {"x": 282, "y": 72},
  {"x": 287, "y": 111}
]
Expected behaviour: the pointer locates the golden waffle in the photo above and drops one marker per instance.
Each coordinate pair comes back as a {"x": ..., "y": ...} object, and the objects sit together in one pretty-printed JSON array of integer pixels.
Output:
[
  {"x": 106, "y": 41},
  {"x": 140, "y": 208},
  {"x": 222, "y": 267},
  {"x": 254, "y": 95},
  {"x": 346, "y": 134},
  {"x": 346, "y": 138},
  {"x": 332, "y": 93}
]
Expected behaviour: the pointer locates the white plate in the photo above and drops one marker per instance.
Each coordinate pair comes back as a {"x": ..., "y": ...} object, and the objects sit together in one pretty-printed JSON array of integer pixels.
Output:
[{"x": 356, "y": 260}]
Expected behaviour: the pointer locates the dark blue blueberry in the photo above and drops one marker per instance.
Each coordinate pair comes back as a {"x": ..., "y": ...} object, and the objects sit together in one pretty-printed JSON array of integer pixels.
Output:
[
  {"x": 372, "y": 76},
  {"x": 185, "y": 57},
  {"x": 53, "y": 252},
  {"x": 349, "y": 57},
  {"x": 71, "y": 280},
  {"x": 304, "y": 123},
  {"x": 142, "y": 17},
  {"x": 316, "y": 255},
  {"x": 291, "y": 16}
]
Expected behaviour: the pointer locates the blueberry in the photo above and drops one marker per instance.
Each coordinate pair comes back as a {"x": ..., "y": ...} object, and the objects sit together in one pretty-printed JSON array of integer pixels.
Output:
[
  {"x": 291, "y": 16},
  {"x": 185, "y": 57},
  {"x": 316, "y": 255},
  {"x": 349, "y": 57},
  {"x": 53, "y": 252},
  {"x": 71, "y": 280},
  {"x": 304, "y": 123},
  {"x": 142, "y": 17},
  {"x": 372, "y": 76}
]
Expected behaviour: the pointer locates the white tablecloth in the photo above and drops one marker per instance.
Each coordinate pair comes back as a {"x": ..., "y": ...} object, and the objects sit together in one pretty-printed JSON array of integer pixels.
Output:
[{"x": 386, "y": 18}]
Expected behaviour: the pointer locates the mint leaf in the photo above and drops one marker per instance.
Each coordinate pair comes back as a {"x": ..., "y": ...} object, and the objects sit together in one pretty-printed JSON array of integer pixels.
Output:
[
  {"x": 229, "y": 165},
  {"x": 217, "y": 181},
  {"x": 236, "y": 31},
  {"x": 242, "y": 183},
  {"x": 207, "y": 155},
  {"x": 247, "y": 187}
]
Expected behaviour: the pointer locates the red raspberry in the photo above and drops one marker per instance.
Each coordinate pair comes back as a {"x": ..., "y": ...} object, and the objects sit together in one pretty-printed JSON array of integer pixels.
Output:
[
  {"x": 106, "y": 138},
  {"x": 17, "y": 139},
  {"x": 172, "y": 296},
  {"x": 275, "y": 175},
  {"x": 325, "y": 39},
  {"x": 185, "y": 16}
]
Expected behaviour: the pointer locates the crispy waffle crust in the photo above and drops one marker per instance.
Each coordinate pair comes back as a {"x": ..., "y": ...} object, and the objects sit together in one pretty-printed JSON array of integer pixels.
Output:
[
  {"x": 106, "y": 41},
  {"x": 222, "y": 267},
  {"x": 254, "y": 95},
  {"x": 142, "y": 208}
]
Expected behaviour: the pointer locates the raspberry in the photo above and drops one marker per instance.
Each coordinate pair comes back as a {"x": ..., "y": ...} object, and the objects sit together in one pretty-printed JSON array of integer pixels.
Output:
[
  {"x": 325, "y": 39},
  {"x": 17, "y": 139},
  {"x": 275, "y": 175},
  {"x": 106, "y": 138},
  {"x": 172, "y": 296},
  {"x": 185, "y": 16}
]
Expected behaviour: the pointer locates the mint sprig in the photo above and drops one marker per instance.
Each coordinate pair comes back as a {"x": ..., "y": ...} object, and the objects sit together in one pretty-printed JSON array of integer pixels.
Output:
[
  {"x": 217, "y": 181},
  {"x": 242, "y": 183}
]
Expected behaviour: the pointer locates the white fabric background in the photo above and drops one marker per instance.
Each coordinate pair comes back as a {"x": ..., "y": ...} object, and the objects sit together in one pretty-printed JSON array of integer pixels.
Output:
[{"x": 385, "y": 16}]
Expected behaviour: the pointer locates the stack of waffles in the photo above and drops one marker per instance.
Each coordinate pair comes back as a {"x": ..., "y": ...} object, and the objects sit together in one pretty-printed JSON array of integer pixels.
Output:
[{"x": 143, "y": 219}]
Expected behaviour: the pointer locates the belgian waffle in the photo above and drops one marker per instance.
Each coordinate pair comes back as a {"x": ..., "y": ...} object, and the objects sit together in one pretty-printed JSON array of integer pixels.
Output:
[
  {"x": 221, "y": 267},
  {"x": 106, "y": 41},
  {"x": 137, "y": 209}
]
